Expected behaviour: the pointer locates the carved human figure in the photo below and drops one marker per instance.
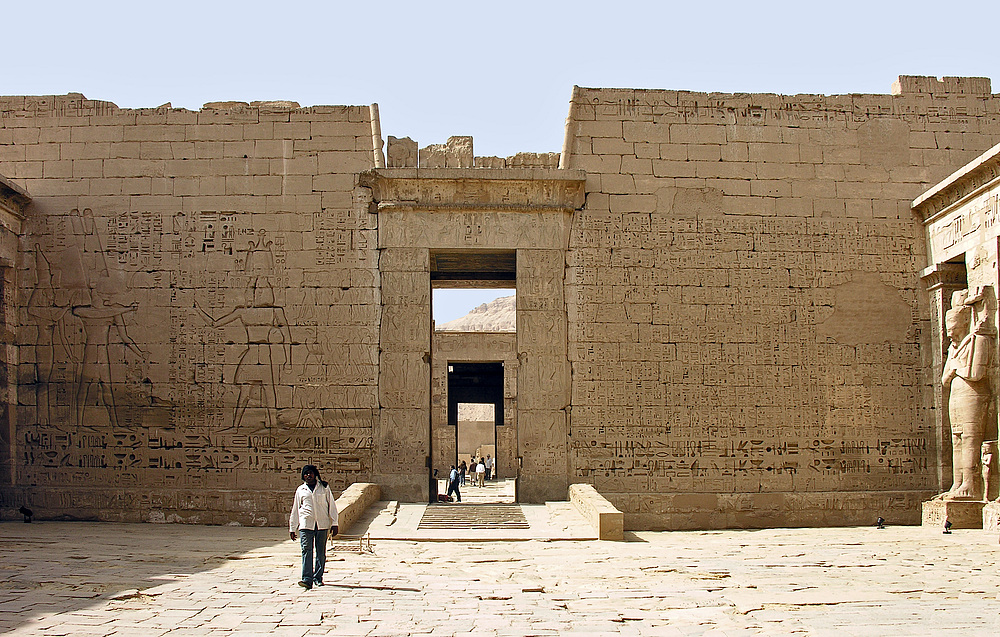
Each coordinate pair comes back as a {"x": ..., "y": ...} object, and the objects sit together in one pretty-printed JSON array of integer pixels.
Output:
[
  {"x": 50, "y": 316},
  {"x": 96, "y": 366},
  {"x": 990, "y": 486},
  {"x": 268, "y": 337},
  {"x": 967, "y": 387}
]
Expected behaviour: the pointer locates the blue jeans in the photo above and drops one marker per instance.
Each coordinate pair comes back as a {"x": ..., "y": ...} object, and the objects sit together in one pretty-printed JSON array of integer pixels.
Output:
[{"x": 313, "y": 540}]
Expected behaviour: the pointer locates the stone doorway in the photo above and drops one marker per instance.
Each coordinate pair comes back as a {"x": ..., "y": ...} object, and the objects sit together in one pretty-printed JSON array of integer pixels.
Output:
[
  {"x": 473, "y": 228},
  {"x": 476, "y": 416}
]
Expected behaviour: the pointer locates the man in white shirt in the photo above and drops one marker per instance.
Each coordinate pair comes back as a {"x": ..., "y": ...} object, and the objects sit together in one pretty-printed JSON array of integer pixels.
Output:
[{"x": 314, "y": 514}]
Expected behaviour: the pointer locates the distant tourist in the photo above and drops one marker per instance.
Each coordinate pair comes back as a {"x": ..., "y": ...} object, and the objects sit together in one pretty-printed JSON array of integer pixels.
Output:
[
  {"x": 314, "y": 516},
  {"x": 481, "y": 473},
  {"x": 489, "y": 467},
  {"x": 462, "y": 470},
  {"x": 453, "y": 484}
]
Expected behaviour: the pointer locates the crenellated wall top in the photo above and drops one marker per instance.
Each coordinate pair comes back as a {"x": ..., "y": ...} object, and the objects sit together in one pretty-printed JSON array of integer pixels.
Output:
[{"x": 76, "y": 105}]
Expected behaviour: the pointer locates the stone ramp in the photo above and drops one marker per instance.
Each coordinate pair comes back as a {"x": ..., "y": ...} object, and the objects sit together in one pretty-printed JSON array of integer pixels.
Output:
[
  {"x": 454, "y": 522},
  {"x": 473, "y": 516}
]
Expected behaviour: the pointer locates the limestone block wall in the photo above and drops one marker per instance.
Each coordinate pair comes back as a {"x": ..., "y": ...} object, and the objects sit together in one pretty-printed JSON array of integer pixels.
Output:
[
  {"x": 745, "y": 311},
  {"x": 200, "y": 306}
]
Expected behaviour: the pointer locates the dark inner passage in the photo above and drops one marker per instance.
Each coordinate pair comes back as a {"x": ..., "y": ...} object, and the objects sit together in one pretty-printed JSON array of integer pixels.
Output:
[
  {"x": 473, "y": 268},
  {"x": 475, "y": 383}
]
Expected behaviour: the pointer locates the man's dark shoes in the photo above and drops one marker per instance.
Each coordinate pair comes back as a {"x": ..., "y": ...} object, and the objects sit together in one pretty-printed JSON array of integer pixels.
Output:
[
  {"x": 305, "y": 585},
  {"x": 318, "y": 582}
]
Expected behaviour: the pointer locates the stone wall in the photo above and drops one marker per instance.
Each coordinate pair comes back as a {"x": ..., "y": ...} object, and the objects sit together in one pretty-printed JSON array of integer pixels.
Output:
[
  {"x": 745, "y": 311},
  {"x": 720, "y": 320},
  {"x": 200, "y": 306}
]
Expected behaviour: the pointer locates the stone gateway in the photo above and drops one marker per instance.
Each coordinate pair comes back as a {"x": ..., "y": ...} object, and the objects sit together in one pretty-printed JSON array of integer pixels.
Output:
[{"x": 727, "y": 314}]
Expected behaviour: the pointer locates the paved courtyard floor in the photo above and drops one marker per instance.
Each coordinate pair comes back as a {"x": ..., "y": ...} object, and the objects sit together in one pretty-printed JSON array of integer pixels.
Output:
[{"x": 64, "y": 578}]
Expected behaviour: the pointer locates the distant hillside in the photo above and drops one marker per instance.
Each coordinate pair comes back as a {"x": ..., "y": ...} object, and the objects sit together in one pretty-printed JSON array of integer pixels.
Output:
[{"x": 495, "y": 316}]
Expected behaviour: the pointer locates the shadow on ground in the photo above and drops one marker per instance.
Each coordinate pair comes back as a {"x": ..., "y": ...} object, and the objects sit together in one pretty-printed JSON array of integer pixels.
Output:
[{"x": 61, "y": 567}]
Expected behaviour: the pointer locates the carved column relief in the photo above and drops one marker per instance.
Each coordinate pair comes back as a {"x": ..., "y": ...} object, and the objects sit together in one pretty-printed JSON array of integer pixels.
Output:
[
  {"x": 402, "y": 437},
  {"x": 543, "y": 387}
]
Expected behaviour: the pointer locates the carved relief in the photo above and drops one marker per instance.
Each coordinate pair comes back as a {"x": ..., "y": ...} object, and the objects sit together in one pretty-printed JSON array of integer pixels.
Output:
[
  {"x": 401, "y": 153},
  {"x": 268, "y": 339},
  {"x": 455, "y": 153},
  {"x": 991, "y": 488}
]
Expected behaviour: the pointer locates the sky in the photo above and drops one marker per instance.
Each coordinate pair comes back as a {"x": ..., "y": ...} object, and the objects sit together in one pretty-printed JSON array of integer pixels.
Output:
[{"x": 502, "y": 72}]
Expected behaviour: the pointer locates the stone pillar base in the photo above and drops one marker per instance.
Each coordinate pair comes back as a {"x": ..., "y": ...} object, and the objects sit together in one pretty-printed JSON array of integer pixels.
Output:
[
  {"x": 963, "y": 514},
  {"x": 991, "y": 516}
]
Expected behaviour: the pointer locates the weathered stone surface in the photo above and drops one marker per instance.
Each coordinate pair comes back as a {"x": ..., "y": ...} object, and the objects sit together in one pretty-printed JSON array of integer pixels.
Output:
[
  {"x": 721, "y": 320},
  {"x": 961, "y": 514},
  {"x": 401, "y": 153},
  {"x": 456, "y": 153},
  {"x": 602, "y": 515}
]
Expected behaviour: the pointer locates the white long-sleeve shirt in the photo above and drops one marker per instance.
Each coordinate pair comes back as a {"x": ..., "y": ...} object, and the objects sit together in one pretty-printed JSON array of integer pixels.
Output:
[{"x": 313, "y": 509}]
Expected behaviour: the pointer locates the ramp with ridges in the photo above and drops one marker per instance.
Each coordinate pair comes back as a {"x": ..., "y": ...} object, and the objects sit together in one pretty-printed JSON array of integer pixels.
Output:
[{"x": 473, "y": 516}]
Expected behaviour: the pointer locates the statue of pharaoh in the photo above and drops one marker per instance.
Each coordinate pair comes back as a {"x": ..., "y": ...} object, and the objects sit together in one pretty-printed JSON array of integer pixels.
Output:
[{"x": 967, "y": 389}]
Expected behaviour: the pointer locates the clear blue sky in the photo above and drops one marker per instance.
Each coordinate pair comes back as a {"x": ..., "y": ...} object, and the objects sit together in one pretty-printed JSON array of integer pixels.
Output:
[{"x": 500, "y": 71}]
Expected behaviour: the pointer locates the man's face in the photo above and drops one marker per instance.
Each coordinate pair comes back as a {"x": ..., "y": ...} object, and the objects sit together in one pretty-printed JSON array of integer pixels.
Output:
[
  {"x": 956, "y": 328},
  {"x": 310, "y": 478}
]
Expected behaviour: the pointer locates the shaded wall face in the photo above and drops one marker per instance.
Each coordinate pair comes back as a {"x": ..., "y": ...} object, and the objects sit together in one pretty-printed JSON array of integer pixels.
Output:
[
  {"x": 745, "y": 313},
  {"x": 9, "y": 226},
  {"x": 200, "y": 307}
]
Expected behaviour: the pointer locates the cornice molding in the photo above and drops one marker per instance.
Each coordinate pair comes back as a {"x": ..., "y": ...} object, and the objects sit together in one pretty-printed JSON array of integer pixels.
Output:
[
  {"x": 13, "y": 199},
  {"x": 970, "y": 180},
  {"x": 944, "y": 275},
  {"x": 457, "y": 189}
]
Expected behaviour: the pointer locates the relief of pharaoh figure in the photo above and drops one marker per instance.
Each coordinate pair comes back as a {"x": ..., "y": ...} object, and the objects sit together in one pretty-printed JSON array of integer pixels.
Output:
[
  {"x": 968, "y": 389},
  {"x": 990, "y": 470}
]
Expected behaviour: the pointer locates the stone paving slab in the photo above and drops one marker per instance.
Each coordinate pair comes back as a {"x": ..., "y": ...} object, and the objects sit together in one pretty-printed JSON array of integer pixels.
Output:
[{"x": 115, "y": 580}]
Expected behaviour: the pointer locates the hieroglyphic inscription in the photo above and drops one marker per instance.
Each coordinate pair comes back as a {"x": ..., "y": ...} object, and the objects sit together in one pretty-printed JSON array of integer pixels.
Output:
[
  {"x": 974, "y": 221},
  {"x": 707, "y": 366}
]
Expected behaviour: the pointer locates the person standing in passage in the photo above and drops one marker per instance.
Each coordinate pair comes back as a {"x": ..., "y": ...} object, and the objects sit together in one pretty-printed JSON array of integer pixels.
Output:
[
  {"x": 489, "y": 467},
  {"x": 314, "y": 516},
  {"x": 453, "y": 484},
  {"x": 481, "y": 473},
  {"x": 462, "y": 470}
]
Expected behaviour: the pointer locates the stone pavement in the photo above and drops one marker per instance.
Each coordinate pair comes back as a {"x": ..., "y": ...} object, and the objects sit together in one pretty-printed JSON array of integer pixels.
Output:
[{"x": 65, "y": 578}]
